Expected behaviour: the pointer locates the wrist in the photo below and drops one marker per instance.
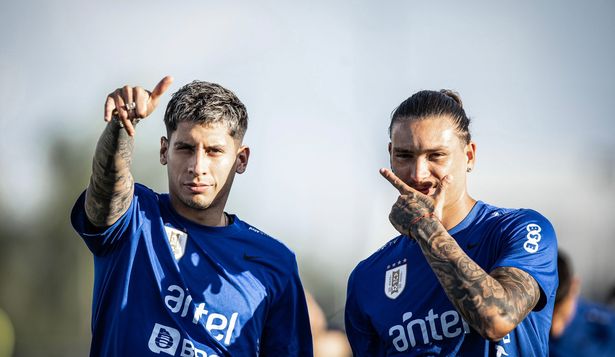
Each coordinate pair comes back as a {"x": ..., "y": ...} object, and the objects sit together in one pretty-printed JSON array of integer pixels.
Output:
[
  {"x": 120, "y": 123},
  {"x": 424, "y": 227}
]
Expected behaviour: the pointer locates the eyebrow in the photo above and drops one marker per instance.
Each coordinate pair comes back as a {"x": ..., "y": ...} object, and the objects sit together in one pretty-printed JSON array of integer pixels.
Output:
[
  {"x": 406, "y": 150},
  {"x": 191, "y": 145},
  {"x": 182, "y": 143}
]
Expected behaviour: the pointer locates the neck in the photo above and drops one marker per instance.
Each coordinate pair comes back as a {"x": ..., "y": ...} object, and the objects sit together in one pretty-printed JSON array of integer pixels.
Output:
[
  {"x": 456, "y": 211},
  {"x": 212, "y": 216}
]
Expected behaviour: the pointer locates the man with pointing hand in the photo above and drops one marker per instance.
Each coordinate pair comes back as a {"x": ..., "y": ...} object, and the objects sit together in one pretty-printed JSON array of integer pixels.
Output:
[
  {"x": 464, "y": 278},
  {"x": 174, "y": 273}
]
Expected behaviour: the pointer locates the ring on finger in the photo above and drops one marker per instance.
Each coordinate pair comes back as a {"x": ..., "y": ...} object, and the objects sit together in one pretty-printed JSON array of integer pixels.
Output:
[{"x": 130, "y": 106}]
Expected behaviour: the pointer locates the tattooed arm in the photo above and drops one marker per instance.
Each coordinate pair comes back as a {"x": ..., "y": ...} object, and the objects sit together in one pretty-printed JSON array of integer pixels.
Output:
[
  {"x": 493, "y": 304},
  {"x": 111, "y": 187}
]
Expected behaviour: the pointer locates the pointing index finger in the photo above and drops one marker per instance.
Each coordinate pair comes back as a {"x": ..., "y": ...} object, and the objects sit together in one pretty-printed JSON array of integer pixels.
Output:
[
  {"x": 160, "y": 88},
  {"x": 396, "y": 181}
]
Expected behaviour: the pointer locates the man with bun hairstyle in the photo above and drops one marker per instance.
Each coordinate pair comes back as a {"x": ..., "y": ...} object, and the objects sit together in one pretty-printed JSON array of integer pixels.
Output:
[
  {"x": 463, "y": 278},
  {"x": 174, "y": 273}
]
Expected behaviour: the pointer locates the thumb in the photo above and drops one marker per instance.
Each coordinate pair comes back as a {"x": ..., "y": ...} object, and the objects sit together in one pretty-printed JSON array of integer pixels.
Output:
[{"x": 440, "y": 196}]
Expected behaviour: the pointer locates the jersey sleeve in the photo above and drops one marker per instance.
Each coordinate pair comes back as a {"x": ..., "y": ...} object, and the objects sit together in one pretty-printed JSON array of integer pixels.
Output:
[
  {"x": 102, "y": 240},
  {"x": 363, "y": 339},
  {"x": 530, "y": 244},
  {"x": 287, "y": 327}
]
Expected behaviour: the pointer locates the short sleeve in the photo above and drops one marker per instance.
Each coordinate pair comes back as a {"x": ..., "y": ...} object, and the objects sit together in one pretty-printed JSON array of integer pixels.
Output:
[
  {"x": 363, "y": 339},
  {"x": 530, "y": 244},
  {"x": 100, "y": 241},
  {"x": 287, "y": 326}
]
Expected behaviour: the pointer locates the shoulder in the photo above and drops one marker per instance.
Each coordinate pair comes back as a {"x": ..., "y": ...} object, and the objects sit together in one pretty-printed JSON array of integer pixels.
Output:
[
  {"x": 265, "y": 244},
  {"x": 510, "y": 220},
  {"x": 145, "y": 192},
  {"x": 596, "y": 313},
  {"x": 374, "y": 261}
]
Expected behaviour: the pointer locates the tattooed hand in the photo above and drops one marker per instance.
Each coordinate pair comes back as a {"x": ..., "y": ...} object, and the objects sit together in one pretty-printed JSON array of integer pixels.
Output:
[
  {"x": 129, "y": 103},
  {"x": 415, "y": 214}
]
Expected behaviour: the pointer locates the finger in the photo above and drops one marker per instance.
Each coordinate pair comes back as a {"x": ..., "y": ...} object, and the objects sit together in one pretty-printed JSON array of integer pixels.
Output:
[
  {"x": 130, "y": 129},
  {"x": 440, "y": 194},
  {"x": 120, "y": 105},
  {"x": 109, "y": 107},
  {"x": 396, "y": 181},
  {"x": 127, "y": 95},
  {"x": 140, "y": 96},
  {"x": 160, "y": 88}
]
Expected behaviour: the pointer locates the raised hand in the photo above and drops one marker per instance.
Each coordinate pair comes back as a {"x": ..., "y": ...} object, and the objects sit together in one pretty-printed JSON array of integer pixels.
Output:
[
  {"x": 130, "y": 103},
  {"x": 415, "y": 214}
]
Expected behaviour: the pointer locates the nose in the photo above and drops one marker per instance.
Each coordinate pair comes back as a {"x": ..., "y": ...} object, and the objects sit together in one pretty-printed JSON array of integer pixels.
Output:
[
  {"x": 420, "y": 171},
  {"x": 199, "y": 164}
]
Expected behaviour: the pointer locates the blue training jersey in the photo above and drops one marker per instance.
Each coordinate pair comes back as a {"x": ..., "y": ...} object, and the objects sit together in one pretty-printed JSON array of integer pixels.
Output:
[
  {"x": 590, "y": 333},
  {"x": 397, "y": 307},
  {"x": 164, "y": 285}
]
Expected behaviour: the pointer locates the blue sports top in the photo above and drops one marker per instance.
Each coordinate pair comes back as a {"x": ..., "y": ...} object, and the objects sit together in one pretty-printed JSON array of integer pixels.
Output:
[
  {"x": 591, "y": 332},
  {"x": 397, "y": 307},
  {"x": 164, "y": 285}
]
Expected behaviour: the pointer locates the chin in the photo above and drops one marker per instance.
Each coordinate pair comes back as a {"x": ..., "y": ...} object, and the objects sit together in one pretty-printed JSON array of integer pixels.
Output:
[{"x": 199, "y": 203}]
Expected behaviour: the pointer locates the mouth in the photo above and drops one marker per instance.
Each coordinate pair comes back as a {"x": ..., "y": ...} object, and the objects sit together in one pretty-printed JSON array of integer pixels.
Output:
[
  {"x": 197, "y": 187},
  {"x": 426, "y": 190}
]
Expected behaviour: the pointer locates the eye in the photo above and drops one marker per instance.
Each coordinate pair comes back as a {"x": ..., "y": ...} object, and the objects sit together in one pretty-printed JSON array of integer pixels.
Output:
[
  {"x": 215, "y": 151},
  {"x": 437, "y": 156},
  {"x": 403, "y": 155},
  {"x": 184, "y": 148}
]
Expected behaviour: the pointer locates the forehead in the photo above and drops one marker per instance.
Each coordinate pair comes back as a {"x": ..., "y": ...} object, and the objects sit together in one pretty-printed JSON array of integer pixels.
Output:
[
  {"x": 191, "y": 132},
  {"x": 424, "y": 133}
]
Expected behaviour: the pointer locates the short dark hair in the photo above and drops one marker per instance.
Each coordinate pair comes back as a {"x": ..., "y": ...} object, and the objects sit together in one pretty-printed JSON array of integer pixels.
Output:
[
  {"x": 428, "y": 103},
  {"x": 564, "y": 274},
  {"x": 206, "y": 103}
]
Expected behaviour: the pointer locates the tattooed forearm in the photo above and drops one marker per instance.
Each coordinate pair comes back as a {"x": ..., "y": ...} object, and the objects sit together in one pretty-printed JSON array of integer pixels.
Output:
[
  {"x": 111, "y": 185},
  {"x": 492, "y": 304}
]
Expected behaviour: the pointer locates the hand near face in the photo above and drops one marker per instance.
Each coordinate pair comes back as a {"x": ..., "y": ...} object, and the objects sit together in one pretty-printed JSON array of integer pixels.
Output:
[
  {"x": 129, "y": 103},
  {"x": 415, "y": 214}
]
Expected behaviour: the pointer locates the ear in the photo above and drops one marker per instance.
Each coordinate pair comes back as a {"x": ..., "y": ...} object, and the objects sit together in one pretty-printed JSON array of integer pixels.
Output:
[
  {"x": 164, "y": 150},
  {"x": 470, "y": 151},
  {"x": 242, "y": 159}
]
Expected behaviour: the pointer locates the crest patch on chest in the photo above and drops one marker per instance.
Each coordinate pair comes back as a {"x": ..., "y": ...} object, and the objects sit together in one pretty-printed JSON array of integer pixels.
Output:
[
  {"x": 395, "y": 279},
  {"x": 177, "y": 241}
]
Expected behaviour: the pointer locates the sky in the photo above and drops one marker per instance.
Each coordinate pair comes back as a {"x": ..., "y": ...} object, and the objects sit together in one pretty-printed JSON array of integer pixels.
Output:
[{"x": 320, "y": 80}]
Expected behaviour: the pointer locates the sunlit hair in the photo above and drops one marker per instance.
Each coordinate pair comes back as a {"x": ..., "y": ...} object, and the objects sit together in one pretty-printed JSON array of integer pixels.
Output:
[
  {"x": 206, "y": 103},
  {"x": 429, "y": 103}
]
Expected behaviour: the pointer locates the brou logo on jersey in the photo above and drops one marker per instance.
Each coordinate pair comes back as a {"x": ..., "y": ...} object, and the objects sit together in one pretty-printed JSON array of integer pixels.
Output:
[
  {"x": 164, "y": 339},
  {"x": 395, "y": 279}
]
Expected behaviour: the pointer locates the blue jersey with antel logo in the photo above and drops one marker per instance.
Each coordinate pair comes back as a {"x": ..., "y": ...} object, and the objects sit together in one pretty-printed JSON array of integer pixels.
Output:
[
  {"x": 167, "y": 286},
  {"x": 397, "y": 307}
]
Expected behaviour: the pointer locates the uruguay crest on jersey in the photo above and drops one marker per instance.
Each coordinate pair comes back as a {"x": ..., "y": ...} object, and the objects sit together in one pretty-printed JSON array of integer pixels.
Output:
[{"x": 395, "y": 279}]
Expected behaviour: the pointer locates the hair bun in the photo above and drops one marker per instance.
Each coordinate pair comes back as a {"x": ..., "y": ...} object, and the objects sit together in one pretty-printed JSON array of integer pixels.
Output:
[{"x": 453, "y": 95}]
